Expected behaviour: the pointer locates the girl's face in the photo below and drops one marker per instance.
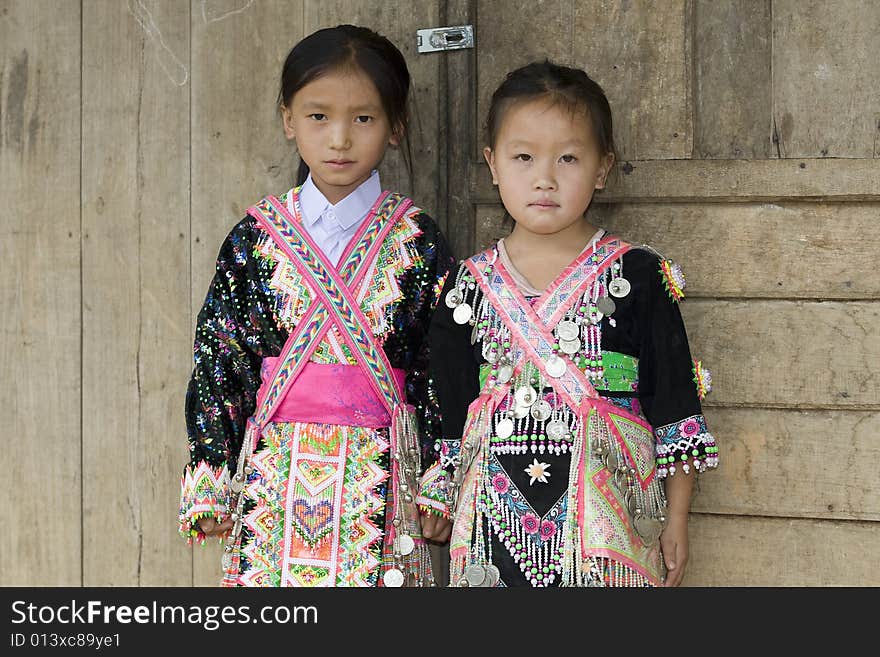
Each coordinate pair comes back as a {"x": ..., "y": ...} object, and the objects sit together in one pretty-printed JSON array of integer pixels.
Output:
[
  {"x": 546, "y": 163},
  {"x": 341, "y": 130}
]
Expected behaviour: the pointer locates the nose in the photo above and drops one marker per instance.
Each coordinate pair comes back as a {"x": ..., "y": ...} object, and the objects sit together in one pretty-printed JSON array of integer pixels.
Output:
[
  {"x": 544, "y": 177},
  {"x": 340, "y": 136}
]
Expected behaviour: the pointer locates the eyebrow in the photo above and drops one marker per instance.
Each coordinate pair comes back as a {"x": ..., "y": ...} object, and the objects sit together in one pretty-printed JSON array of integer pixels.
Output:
[
  {"x": 521, "y": 143},
  {"x": 315, "y": 105}
]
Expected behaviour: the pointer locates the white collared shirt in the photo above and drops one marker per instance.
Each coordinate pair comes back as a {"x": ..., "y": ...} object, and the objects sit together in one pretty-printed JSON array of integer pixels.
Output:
[{"x": 333, "y": 226}]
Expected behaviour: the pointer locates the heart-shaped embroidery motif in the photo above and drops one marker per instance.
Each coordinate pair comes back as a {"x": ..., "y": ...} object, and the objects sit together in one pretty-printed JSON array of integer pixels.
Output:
[{"x": 313, "y": 520}]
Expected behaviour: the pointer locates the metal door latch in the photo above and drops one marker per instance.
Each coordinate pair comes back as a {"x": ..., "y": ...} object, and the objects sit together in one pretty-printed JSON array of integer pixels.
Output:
[{"x": 433, "y": 39}]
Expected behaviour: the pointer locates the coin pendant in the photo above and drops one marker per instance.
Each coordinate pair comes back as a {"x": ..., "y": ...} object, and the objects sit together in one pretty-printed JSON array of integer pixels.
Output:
[
  {"x": 556, "y": 366},
  {"x": 606, "y": 306},
  {"x": 504, "y": 428},
  {"x": 453, "y": 298},
  {"x": 570, "y": 346},
  {"x": 541, "y": 411},
  {"x": 567, "y": 330},
  {"x": 525, "y": 396},
  {"x": 619, "y": 287},
  {"x": 462, "y": 313},
  {"x": 393, "y": 578},
  {"x": 406, "y": 544}
]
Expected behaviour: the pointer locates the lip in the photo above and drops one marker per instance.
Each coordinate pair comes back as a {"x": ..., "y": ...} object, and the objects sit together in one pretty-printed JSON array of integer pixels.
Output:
[
  {"x": 544, "y": 204},
  {"x": 338, "y": 164}
]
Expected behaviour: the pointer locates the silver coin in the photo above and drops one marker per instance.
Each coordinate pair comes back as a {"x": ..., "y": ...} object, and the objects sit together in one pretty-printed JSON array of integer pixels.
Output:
[
  {"x": 556, "y": 366},
  {"x": 491, "y": 355},
  {"x": 504, "y": 428},
  {"x": 462, "y": 313},
  {"x": 505, "y": 372},
  {"x": 519, "y": 412},
  {"x": 619, "y": 287},
  {"x": 525, "y": 396},
  {"x": 393, "y": 578},
  {"x": 237, "y": 483},
  {"x": 606, "y": 306},
  {"x": 454, "y": 297},
  {"x": 610, "y": 460},
  {"x": 492, "y": 575},
  {"x": 405, "y": 544},
  {"x": 475, "y": 575},
  {"x": 541, "y": 410},
  {"x": 570, "y": 346},
  {"x": 596, "y": 317},
  {"x": 567, "y": 330},
  {"x": 557, "y": 430}
]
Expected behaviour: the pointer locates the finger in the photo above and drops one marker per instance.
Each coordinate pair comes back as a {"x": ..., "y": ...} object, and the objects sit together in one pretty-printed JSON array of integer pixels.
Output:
[
  {"x": 207, "y": 524},
  {"x": 443, "y": 536},
  {"x": 669, "y": 556}
]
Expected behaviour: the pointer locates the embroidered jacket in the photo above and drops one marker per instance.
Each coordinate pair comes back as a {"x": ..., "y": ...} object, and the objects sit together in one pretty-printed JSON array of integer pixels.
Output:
[{"x": 253, "y": 305}]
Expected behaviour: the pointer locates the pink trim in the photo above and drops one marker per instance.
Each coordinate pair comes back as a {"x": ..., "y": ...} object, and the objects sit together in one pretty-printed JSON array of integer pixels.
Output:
[
  {"x": 602, "y": 407},
  {"x": 343, "y": 288}
]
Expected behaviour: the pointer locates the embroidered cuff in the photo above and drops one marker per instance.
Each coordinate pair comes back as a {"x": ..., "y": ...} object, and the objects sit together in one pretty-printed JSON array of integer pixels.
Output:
[
  {"x": 685, "y": 444},
  {"x": 432, "y": 491},
  {"x": 204, "y": 493}
]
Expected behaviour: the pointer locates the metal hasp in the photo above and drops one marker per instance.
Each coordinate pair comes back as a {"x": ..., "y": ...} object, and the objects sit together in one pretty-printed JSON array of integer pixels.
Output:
[{"x": 434, "y": 39}]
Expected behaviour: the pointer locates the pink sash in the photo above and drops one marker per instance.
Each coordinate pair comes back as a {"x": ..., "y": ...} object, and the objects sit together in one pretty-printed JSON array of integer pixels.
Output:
[{"x": 330, "y": 394}]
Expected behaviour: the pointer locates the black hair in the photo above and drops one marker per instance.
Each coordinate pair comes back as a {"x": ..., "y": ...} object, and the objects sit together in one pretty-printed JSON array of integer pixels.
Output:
[
  {"x": 570, "y": 87},
  {"x": 336, "y": 48}
]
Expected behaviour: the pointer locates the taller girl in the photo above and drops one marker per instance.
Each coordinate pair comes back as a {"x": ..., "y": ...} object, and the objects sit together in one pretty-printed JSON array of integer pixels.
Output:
[
  {"x": 566, "y": 371},
  {"x": 310, "y": 416}
]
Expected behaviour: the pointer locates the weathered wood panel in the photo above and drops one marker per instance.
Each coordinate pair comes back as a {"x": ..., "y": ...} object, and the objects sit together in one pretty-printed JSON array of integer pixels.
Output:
[
  {"x": 40, "y": 293},
  {"x": 800, "y": 464},
  {"x": 788, "y": 354},
  {"x": 641, "y": 55},
  {"x": 826, "y": 82},
  {"x": 723, "y": 181},
  {"x": 744, "y": 551},
  {"x": 238, "y": 149},
  {"x": 513, "y": 36},
  {"x": 732, "y": 81},
  {"x": 399, "y": 22},
  {"x": 135, "y": 289},
  {"x": 746, "y": 250}
]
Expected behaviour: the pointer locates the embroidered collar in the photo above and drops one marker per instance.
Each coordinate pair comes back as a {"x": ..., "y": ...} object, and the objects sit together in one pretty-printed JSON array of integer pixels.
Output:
[{"x": 349, "y": 212}]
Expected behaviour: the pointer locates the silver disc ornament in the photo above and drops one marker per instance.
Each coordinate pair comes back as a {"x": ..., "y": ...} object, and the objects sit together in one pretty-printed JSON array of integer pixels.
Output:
[
  {"x": 405, "y": 544},
  {"x": 525, "y": 396},
  {"x": 606, "y": 305},
  {"x": 570, "y": 347},
  {"x": 567, "y": 330},
  {"x": 453, "y": 298},
  {"x": 505, "y": 372},
  {"x": 557, "y": 430},
  {"x": 556, "y": 366},
  {"x": 393, "y": 578},
  {"x": 462, "y": 313},
  {"x": 475, "y": 575},
  {"x": 619, "y": 287},
  {"x": 504, "y": 428},
  {"x": 541, "y": 411}
]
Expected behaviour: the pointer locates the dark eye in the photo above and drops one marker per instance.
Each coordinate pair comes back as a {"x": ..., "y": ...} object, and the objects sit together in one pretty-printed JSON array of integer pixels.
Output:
[
  {"x": 363, "y": 118},
  {"x": 523, "y": 157},
  {"x": 568, "y": 159},
  {"x": 318, "y": 116}
]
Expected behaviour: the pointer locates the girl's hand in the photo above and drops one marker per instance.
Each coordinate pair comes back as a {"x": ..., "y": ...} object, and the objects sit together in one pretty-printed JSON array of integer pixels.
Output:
[
  {"x": 674, "y": 546},
  {"x": 434, "y": 527},
  {"x": 212, "y": 528}
]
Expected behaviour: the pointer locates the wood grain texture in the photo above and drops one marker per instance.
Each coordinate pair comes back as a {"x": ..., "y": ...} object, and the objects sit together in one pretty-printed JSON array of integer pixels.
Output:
[
  {"x": 239, "y": 153},
  {"x": 788, "y": 354},
  {"x": 826, "y": 82},
  {"x": 792, "y": 463},
  {"x": 135, "y": 290},
  {"x": 726, "y": 181},
  {"x": 732, "y": 79},
  {"x": 763, "y": 250},
  {"x": 744, "y": 551},
  {"x": 40, "y": 293},
  {"x": 640, "y": 52}
]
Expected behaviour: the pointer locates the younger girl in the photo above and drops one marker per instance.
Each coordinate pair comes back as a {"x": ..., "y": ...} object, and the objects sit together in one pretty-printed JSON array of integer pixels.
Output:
[
  {"x": 565, "y": 367},
  {"x": 309, "y": 404}
]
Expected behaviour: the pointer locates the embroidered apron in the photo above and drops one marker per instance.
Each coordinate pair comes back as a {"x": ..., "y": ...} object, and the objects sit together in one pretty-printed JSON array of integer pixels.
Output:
[
  {"x": 312, "y": 485},
  {"x": 605, "y": 529}
]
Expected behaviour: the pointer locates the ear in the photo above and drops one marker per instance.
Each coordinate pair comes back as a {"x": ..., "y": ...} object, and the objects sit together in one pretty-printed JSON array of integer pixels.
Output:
[
  {"x": 396, "y": 135},
  {"x": 489, "y": 154},
  {"x": 287, "y": 121},
  {"x": 604, "y": 169}
]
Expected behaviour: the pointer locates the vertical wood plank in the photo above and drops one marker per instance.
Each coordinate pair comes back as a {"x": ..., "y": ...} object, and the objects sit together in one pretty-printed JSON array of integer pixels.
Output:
[
  {"x": 40, "y": 293},
  {"x": 732, "y": 88},
  {"x": 239, "y": 153},
  {"x": 641, "y": 55},
  {"x": 135, "y": 205},
  {"x": 826, "y": 82}
]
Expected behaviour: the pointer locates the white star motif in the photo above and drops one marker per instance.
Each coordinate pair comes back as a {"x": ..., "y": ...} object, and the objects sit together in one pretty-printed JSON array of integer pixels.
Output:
[{"x": 538, "y": 471}]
